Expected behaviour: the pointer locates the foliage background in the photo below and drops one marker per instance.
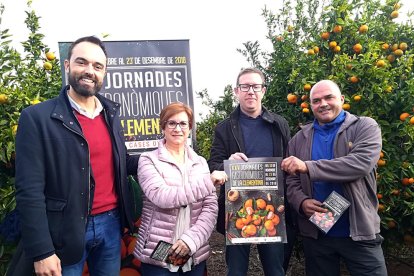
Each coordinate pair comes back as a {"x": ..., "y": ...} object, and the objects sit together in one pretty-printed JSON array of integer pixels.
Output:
[{"x": 384, "y": 91}]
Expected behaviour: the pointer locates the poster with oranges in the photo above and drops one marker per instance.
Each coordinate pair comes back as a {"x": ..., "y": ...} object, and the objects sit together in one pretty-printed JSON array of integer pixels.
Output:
[{"x": 255, "y": 210}]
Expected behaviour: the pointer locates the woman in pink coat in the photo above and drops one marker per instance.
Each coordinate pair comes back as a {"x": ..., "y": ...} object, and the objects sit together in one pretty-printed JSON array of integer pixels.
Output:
[{"x": 179, "y": 203}]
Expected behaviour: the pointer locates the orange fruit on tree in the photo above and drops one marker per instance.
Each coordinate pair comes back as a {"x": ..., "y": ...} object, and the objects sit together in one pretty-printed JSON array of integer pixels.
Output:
[
  {"x": 357, "y": 48},
  {"x": 292, "y": 98},
  {"x": 325, "y": 35},
  {"x": 311, "y": 52},
  {"x": 363, "y": 29},
  {"x": 304, "y": 97},
  {"x": 337, "y": 49},
  {"x": 35, "y": 101},
  {"x": 385, "y": 46},
  {"x": 381, "y": 154},
  {"x": 348, "y": 66},
  {"x": 307, "y": 87},
  {"x": 412, "y": 120},
  {"x": 391, "y": 224},
  {"x": 380, "y": 63},
  {"x": 332, "y": 44},
  {"x": 405, "y": 181},
  {"x": 395, "y": 192},
  {"x": 337, "y": 29},
  {"x": 394, "y": 47},
  {"x": 279, "y": 38},
  {"x": 305, "y": 110},
  {"x": 3, "y": 98},
  {"x": 391, "y": 58},
  {"x": 394, "y": 14},
  {"x": 411, "y": 180},
  {"x": 379, "y": 196},
  {"x": 354, "y": 79},
  {"x": 381, "y": 163},
  {"x": 397, "y": 6},
  {"x": 404, "y": 116},
  {"x": 346, "y": 106},
  {"x": 47, "y": 65},
  {"x": 304, "y": 105},
  {"x": 14, "y": 129},
  {"x": 261, "y": 204},
  {"x": 388, "y": 89},
  {"x": 316, "y": 49},
  {"x": 357, "y": 98},
  {"x": 398, "y": 52},
  {"x": 128, "y": 271},
  {"x": 381, "y": 207},
  {"x": 403, "y": 46},
  {"x": 50, "y": 56}
]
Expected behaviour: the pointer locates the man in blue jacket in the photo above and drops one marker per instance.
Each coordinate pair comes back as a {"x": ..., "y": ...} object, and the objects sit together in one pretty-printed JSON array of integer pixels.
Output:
[
  {"x": 71, "y": 173},
  {"x": 337, "y": 152}
]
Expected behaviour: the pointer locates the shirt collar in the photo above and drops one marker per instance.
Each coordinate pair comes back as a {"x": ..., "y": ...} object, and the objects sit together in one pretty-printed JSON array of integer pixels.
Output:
[{"x": 83, "y": 111}]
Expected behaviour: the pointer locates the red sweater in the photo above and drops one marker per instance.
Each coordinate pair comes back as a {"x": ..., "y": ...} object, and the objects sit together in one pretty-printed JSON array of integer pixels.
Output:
[{"x": 102, "y": 162}]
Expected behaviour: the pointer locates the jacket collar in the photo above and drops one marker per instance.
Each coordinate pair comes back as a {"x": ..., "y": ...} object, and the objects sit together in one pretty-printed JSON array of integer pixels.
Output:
[
  {"x": 191, "y": 156},
  {"x": 350, "y": 119},
  {"x": 63, "y": 110}
]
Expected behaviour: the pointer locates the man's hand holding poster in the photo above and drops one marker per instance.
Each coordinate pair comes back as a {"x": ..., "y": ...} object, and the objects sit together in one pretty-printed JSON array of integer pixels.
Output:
[{"x": 254, "y": 201}]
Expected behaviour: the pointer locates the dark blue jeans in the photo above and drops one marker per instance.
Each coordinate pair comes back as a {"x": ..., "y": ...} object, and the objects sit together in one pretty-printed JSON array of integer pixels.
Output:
[
  {"x": 271, "y": 257},
  {"x": 102, "y": 246},
  {"x": 153, "y": 270},
  {"x": 362, "y": 258}
]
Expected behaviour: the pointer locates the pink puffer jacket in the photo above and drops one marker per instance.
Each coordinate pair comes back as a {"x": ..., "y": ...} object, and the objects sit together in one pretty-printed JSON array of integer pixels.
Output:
[{"x": 162, "y": 183}]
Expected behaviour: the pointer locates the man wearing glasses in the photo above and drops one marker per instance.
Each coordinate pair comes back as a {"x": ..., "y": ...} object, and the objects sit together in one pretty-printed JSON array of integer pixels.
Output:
[{"x": 250, "y": 131}]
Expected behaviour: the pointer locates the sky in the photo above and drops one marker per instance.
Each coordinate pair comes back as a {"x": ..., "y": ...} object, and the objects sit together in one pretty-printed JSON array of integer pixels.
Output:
[{"x": 215, "y": 29}]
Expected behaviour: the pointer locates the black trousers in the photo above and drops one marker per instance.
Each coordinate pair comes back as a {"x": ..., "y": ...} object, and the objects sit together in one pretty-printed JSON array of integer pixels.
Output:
[{"x": 322, "y": 256}]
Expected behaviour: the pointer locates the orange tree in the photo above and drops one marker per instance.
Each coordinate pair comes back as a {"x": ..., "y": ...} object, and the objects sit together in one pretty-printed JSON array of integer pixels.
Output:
[
  {"x": 25, "y": 79},
  {"x": 360, "y": 45}
]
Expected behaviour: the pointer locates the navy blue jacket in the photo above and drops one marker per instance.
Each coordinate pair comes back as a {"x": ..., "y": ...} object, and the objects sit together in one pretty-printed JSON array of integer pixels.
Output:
[
  {"x": 228, "y": 139},
  {"x": 54, "y": 183}
]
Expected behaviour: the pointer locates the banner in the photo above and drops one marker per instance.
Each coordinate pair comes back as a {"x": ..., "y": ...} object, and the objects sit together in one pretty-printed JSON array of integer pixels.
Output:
[{"x": 144, "y": 77}]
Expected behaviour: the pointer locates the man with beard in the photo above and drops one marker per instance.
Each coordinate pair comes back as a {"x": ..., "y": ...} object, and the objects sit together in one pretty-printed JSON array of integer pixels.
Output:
[
  {"x": 72, "y": 193},
  {"x": 337, "y": 152}
]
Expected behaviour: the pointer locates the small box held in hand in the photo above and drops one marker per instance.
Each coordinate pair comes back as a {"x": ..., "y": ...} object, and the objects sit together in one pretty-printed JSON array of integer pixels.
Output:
[{"x": 336, "y": 205}]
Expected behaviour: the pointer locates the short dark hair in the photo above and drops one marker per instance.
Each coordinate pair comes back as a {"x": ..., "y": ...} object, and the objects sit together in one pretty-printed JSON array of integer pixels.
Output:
[
  {"x": 175, "y": 108},
  {"x": 248, "y": 71},
  {"x": 90, "y": 39}
]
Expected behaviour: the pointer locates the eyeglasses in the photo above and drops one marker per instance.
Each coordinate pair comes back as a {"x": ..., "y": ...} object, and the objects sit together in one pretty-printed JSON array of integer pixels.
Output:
[
  {"x": 246, "y": 87},
  {"x": 173, "y": 124}
]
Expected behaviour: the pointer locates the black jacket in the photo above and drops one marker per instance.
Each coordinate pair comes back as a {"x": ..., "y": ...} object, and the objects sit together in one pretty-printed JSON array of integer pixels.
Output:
[
  {"x": 228, "y": 139},
  {"x": 54, "y": 183}
]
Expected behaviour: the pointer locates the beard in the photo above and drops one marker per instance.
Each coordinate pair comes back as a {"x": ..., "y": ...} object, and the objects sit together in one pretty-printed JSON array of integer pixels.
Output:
[{"x": 82, "y": 90}]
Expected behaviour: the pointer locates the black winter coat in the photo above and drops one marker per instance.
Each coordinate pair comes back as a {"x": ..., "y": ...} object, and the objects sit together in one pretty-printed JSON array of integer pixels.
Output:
[
  {"x": 54, "y": 183},
  {"x": 228, "y": 139}
]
